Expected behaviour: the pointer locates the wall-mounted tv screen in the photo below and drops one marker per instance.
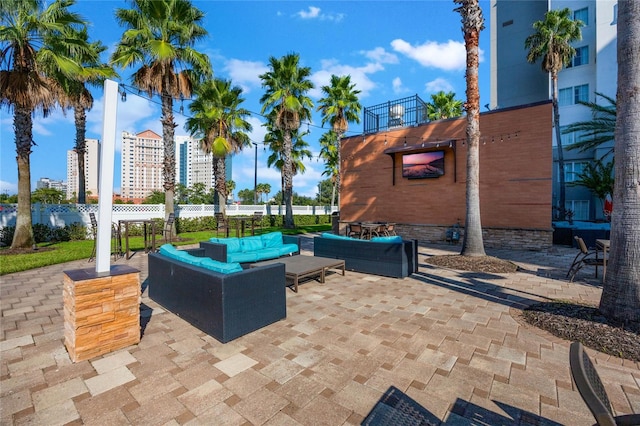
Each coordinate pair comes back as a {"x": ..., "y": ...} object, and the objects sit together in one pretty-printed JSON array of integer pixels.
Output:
[{"x": 423, "y": 165}]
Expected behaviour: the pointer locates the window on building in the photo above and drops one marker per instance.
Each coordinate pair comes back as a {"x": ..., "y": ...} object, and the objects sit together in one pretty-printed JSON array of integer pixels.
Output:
[
  {"x": 572, "y": 169},
  {"x": 582, "y": 15},
  {"x": 565, "y": 96},
  {"x": 580, "y": 209},
  {"x": 580, "y": 58},
  {"x": 581, "y": 93}
]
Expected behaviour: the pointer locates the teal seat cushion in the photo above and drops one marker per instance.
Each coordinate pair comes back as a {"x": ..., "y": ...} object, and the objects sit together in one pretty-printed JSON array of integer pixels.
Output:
[
  {"x": 268, "y": 253},
  {"x": 392, "y": 239},
  {"x": 173, "y": 253},
  {"x": 272, "y": 239},
  {"x": 241, "y": 257},
  {"x": 287, "y": 249},
  {"x": 233, "y": 244},
  {"x": 251, "y": 244},
  {"x": 222, "y": 267},
  {"x": 339, "y": 237}
]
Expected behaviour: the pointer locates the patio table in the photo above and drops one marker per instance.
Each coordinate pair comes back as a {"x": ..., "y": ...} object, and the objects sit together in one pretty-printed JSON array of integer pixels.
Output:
[{"x": 297, "y": 267}]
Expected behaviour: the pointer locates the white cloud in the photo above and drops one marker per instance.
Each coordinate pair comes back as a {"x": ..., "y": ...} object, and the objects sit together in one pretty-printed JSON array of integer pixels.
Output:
[
  {"x": 245, "y": 73},
  {"x": 398, "y": 88},
  {"x": 42, "y": 125},
  {"x": 437, "y": 85},
  {"x": 314, "y": 13},
  {"x": 8, "y": 187},
  {"x": 448, "y": 56},
  {"x": 359, "y": 76},
  {"x": 379, "y": 54}
]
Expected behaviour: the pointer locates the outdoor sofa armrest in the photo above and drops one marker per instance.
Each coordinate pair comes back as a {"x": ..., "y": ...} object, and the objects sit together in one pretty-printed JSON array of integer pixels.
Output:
[
  {"x": 292, "y": 239},
  {"x": 214, "y": 250}
]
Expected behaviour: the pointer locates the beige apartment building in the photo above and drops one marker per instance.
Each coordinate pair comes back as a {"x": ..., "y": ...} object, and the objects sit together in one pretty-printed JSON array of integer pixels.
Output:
[
  {"x": 141, "y": 165},
  {"x": 91, "y": 169}
]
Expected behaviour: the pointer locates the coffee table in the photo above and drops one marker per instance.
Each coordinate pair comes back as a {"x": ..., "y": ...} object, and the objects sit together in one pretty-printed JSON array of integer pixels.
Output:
[{"x": 301, "y": 266}]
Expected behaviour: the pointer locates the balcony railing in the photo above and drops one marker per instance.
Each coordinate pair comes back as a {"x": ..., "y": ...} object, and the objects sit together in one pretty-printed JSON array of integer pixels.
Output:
[{"x": 405, "y": 112}]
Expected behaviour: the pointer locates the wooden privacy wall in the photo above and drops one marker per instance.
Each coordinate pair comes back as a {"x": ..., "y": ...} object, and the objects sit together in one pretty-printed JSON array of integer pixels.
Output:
[{"x": 515, "y": 173}]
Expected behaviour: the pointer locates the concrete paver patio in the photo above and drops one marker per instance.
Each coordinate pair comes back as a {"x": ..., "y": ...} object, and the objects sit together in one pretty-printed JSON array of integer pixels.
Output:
[{"x": 450, "y": 340}]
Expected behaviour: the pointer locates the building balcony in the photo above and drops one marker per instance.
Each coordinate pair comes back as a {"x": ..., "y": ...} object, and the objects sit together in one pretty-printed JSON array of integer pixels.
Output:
[{"x": 405, "y": 112}]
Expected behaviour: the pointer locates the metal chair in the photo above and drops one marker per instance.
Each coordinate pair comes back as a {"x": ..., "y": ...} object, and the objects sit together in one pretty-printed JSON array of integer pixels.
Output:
[
  {"x": 168, "y": 228},
  {"x": 355, "y": 230},
  {"x": 94, "y": 233},
  {"x": 390, "y": 229},
  {"x": 256, "y": 221},
  {"x": 222, "y": 223},
  {"x": 584, "y": 257},
  {"x": 592, "y": 390}
]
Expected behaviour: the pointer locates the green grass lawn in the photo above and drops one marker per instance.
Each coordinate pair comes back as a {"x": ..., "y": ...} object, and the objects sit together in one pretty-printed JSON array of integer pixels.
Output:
[{"x": 54, "y": 253}]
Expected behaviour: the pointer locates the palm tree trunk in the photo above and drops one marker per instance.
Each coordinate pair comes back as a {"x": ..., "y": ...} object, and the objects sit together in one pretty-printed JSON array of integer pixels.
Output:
[
  {"x": 287, "y": 173},
  {"x": 621, "y": 290},
  {"x": 338, "y": 180},
  {"x": 220, "y": 183},
  {"x": 80, "y": 117},
  {"x": 556, "y": 125},
  {"x": 23, "y": 236},
  {"x": 169, "y": 162},
  {"x": 473, "y": 244}
]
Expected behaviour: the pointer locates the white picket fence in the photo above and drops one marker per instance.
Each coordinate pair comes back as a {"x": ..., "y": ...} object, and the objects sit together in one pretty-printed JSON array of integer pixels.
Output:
[{"x": 59, "y": 215}]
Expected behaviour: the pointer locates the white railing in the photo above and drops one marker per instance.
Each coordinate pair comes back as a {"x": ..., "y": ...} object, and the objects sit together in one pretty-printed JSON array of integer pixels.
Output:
[{"x": 59, "y": 215}]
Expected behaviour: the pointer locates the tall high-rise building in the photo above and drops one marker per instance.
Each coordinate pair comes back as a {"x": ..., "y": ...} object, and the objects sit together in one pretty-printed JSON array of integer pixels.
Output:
[
  {"x": 141, "y": 165},
  {"x": 593, "y": 70},
  {"x": 91, "y": 169},
  {"x": 194, "y": 166}
]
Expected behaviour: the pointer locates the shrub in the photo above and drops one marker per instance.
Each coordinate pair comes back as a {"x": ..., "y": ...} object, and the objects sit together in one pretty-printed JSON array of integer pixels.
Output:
[{"x": 41, "y": 232}]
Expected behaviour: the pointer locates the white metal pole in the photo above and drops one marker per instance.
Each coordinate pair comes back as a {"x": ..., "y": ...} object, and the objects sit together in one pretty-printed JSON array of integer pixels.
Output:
[{"x": 105, "y": 176}]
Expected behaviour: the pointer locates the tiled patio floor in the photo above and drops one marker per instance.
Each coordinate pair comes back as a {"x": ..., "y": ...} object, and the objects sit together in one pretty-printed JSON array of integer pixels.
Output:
[{"x": 449, "y": 340}]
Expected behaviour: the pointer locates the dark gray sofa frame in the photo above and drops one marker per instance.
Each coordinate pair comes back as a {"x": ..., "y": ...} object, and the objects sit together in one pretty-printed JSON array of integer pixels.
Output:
[
  {"x": 218, "y": 251},
  {"x": 378, "y": 258},
  {"x": 225, "y": 306}
]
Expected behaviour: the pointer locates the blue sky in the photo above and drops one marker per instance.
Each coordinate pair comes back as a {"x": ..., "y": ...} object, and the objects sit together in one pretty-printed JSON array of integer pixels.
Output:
[{"x": 391, "y": 49}]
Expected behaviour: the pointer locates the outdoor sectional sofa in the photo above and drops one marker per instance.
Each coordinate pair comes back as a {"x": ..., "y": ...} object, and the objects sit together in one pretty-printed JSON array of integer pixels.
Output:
[
  {"x": 251, "y": 249},
  {"x": 225, "y": 305},
  {"x": 388, "y": 256}
]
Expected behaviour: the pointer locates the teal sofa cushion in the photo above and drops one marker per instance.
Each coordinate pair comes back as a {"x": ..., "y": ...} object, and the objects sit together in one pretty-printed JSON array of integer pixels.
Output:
[
  {"x": 268, "y": 253},
  {"x": 391, "y": 239},
  {"x": 288, "y": 249},
  {"x": 272, "y": 239},
  {"x": 251, "y": 244},
  {"x": 243, "y": 257},
  {"x": 173, "y": 253},
  {"x": 339, "y": 237},
  {"x": 222, "y": 267},
  {"x": 232, "y": 243}
]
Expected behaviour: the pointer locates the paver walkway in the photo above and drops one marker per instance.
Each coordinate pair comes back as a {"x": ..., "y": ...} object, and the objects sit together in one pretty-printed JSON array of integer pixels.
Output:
[{"x": 450, "y": 340}]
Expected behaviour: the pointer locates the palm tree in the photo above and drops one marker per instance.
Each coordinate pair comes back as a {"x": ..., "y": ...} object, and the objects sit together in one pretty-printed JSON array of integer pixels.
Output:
[
  {"x": 330, "y": 153},
  {"x": 231, "y": 186},
  {"x": 339, "y": 107},
  {"x": 79, "y": 98},
  {"x": 552, "y": 42},
  {"x": 299, "y": 151},
  {"x": 221, "y": 122},
  {"x": 620, "y": 299},
  {"x": 472, "y": 24},
  {"x": 598, "y": 178},
  {"x": 444, "y": 105},
  {"x": 599, "y": 130},
  {"x": 159, "y": 37},
  {"x": 286, "y": 103},
  {"x": 33, "y": 40}
]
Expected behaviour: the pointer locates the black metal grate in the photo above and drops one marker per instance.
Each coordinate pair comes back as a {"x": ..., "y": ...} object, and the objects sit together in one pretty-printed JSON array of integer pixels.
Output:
[{"x": 405, "y": 112}]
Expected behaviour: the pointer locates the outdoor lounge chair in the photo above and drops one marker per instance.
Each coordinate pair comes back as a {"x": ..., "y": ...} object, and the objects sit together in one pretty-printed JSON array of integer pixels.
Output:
[
  {"x": 584, "y": 257},
  {"x": 592, "y": 390}
]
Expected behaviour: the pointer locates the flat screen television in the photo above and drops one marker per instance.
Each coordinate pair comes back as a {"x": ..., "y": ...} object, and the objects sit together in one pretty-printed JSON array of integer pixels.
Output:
[{"x": 423, "y": 165}]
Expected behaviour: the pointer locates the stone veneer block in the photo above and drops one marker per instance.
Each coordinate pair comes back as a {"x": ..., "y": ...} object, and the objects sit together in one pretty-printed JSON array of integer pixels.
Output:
[{"x": 101, "y": 311}]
